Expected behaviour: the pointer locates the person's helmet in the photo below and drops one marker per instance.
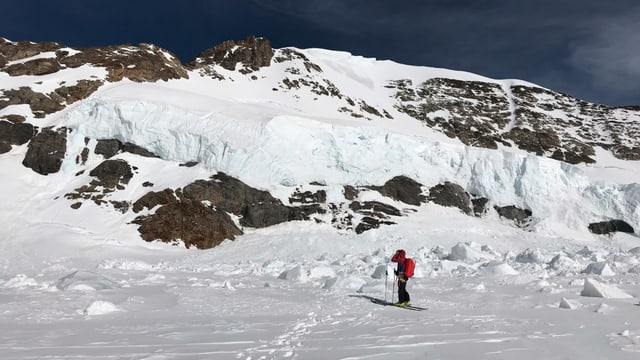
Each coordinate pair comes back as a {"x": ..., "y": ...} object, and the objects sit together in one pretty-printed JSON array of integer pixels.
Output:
[{"x": 401, "y": 253}]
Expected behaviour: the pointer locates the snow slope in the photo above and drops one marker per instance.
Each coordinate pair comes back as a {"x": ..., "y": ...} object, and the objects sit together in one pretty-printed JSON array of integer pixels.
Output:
[{"x": 81, "y": 284}]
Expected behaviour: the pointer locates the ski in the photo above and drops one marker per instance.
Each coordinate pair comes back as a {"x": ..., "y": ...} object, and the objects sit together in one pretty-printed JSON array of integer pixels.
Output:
[{"x": 387, "y": 303}]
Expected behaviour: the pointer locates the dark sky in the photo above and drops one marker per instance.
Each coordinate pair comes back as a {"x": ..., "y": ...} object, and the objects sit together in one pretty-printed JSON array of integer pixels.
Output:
[{"x": 586, "y": 48}]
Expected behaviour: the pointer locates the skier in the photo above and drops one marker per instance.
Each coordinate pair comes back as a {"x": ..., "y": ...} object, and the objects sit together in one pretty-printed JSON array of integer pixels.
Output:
[{"x": 403, "y": 272}]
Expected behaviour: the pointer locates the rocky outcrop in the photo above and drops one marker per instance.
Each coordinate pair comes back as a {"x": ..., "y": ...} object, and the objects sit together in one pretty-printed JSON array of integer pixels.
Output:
[
  {"x": 110, "y": 147},
  {"x": 611, "y": 226},
  {"x": 205, "y": 204},
  {"x": 257, "y": 207},
  {"x": 534, "y": 119},
  {"x": 191, "y": 222},
  {"x": 451, "y": 195},
  {"x": 251, "y": 53},
  {"x": 375, "y": 208},
  {"x": 521, "y": 217},
  {"x": 155, "y": 198},
  {"x": 142, "y": 63},
  {"x": 402, "y": 188},
  {"x": 10, "y": 51},
  {"x": 479, "y": 205},
  {"x": 308, "y": 197},
  {"x": 113, "y": 173},
  {"x": 46, "y": 151},
  {"x": 368, "y": 223},
  {"x": 16, "y": 134}
]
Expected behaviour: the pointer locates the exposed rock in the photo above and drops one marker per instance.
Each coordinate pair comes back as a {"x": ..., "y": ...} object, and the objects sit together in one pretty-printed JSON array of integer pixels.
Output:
[
  {"x": 189, "y": 164},
  {"x": 34, "y": 67},
  {"x": 479, "y": 205},
  {"x": 374, "y": 208},
  {"x": 452, "y": 195},
  {"x": 24, "y": 49},
  {"x": 16, "y": 134},
  {"x": 521, "y": 217},
  {"x": 154, "y": 198},
  {"x": 40, "y": 104},
  {"x": 191, "y": 222},
  {"x": 257, "y": 207},
  {"x": 350, "y": 192},
  {"x": 138, "y": 150},
  {"x": 480, "y": 114},
  {"x": 607, "y": 227},
  {"x": 308, "y": 197},
  {"x": 46, "y": 151},
  {"x": 83, "y": 157},
  {"x": 403, "y": 189},
  {"x": 108, "y": 147},
  {"x": 4, "y": 147},
  {"x": 227, "y": 193},
  {"x": 111, "y": 173},
  {"x": 13, "y": 118},
  {"x": 252, "y": 53},
  {"x": 79, "y": 91},
  {"x": 142, "y": 63},
  {"x": 263, "y": 214},
  {"x": 368, "y": 223}
]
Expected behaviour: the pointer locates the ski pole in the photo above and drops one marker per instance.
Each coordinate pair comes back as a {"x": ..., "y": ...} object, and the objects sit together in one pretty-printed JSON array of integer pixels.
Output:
[
  {"x": 386, "y": 279},
  {"x": 393, "y": 289}
]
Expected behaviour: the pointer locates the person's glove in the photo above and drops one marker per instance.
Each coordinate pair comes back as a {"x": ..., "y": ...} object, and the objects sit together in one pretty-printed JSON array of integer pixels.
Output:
[{"x": 395, "y": 272}]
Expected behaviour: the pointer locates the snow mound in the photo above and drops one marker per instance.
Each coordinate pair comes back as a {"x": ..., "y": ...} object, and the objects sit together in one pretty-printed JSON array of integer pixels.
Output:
[
  {"x": 569, "y": 304},
  {"x": 562, "y": 262},
  {"x": 296, "y": 273},
  {"x": 321, "y": 271},
  {"x": 529, "y": 256},
  {"x": 100, "y": 308},
  {"x": 22, "y": 281},
  {"x": 593, "y": 288},
  {"x": 381, "y": 272},
  {"x": 599, "y": 268},
  {"x": 466, "y": 251},
  {"x": 82, "y": 280},
  {"x": 127, "y": 265},
  {"x": 498, "y": 269}
]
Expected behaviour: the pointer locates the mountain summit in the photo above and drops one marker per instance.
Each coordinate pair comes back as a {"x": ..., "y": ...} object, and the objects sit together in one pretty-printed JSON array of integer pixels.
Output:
[{"x": 247, "y": 137}]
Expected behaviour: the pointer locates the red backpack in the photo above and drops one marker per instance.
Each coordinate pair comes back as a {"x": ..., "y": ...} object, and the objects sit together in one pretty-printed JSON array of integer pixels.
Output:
[{"x": 409, "y": 266}]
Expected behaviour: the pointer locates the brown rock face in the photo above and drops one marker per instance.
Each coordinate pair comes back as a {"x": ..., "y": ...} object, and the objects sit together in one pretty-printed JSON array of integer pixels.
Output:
[
  {"x": 403, "y": 189},
  {"x": 111, "y": 173},
  {"x": 252, "y": 53},
  {"x": 34, "y": 67},
  {"x": 140, "y": 63},
  {"x": 24, "y": 49},
  {"x": 46, "y": 151},
  {"x": 16, "y": 134},
  {"x": 40, "y": 104},
  {"x": 451, "y": 195},
  {"x": 190, "y": 221},
  {"x": 257, "y": 208}
]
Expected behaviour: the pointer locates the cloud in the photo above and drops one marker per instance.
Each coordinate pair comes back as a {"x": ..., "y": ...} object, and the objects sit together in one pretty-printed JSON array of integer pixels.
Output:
[{"x": 611, "y": 54}]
